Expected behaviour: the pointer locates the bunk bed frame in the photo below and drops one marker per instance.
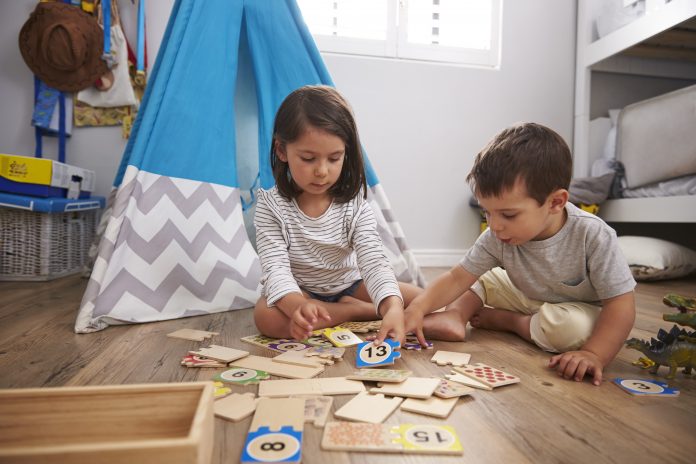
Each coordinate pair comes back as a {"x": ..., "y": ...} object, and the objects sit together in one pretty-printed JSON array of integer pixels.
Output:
[{"x": 644, "y": 47}]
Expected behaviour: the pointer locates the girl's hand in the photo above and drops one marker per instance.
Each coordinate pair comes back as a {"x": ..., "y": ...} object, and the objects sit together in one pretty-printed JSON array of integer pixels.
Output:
[
  {"x": 575, "y": 364},
  {"x": 414, "y": 323},
  {"x": 304, "y": 318},
  {"x": 392, "y": 325}
]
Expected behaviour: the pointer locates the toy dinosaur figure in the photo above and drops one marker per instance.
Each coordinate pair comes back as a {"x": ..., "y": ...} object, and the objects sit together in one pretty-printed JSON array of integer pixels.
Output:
[
  {"x": 671, "y": 349},
  {"x": 688, "y": 319},
  {"x": 682, "y": 303}
]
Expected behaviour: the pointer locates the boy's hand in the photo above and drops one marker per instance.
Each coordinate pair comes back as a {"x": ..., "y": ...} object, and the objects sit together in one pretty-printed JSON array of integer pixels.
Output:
[
  {"x": 414, "y": 323},
  {"x": 392, "y": 324},
  {"x": 304, "y": 318},
  {"x": 575, "y": 364}
]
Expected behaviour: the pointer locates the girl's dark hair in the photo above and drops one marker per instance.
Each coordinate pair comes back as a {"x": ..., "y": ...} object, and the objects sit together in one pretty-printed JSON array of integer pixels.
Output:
[
  {"x": 535, "y": 154},
  {"x": 323, "y": 108}
]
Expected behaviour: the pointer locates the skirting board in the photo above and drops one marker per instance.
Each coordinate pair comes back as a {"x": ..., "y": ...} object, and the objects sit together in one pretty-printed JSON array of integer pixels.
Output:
[{"x": 438, "y": 257}]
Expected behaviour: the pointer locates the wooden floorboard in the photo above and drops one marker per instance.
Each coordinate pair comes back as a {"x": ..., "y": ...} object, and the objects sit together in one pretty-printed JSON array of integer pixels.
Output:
[{"x": 543, "y": 419}]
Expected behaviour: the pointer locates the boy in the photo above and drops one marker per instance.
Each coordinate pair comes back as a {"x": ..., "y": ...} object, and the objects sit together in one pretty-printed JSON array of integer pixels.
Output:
[{"x": 559, "y": 262}]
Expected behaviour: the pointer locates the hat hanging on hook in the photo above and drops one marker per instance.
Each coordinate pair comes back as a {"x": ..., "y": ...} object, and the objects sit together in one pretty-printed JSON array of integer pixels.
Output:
[{"x": 63, "y": 45}]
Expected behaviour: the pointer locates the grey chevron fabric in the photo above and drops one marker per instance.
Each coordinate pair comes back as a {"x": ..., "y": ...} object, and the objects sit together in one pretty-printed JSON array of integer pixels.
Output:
[{"x": 171, "y": 248}]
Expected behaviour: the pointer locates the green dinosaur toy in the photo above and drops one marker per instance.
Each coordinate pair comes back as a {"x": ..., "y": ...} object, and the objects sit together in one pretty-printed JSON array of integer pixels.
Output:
[
  {"x": 672, "y": 349},
  {"x": 682, "y": 303},
  {"x": 688, "y": 319}
]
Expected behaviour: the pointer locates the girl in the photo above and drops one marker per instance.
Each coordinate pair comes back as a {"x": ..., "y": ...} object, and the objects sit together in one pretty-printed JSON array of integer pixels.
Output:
[{"x": 321, "y": 255}]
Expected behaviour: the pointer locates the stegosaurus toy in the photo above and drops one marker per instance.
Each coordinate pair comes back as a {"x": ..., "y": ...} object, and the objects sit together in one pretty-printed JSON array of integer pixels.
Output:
[{"x": 676, "y": 348}]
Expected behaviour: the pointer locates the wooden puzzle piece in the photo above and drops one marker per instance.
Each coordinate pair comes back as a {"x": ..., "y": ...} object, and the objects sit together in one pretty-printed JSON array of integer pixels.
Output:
[
  {"x": 380, "y": 375},
  {"x": 450, "y": 389},
  {"x": 326, "y": 352},
  {"x": 487, "y": 375},
  {"x": 236, "y": 406},
  {"x": 433, "y": 406},
  {"x": 298, "y": 358},
  {"x": 370, "y": 355},
  {"x": 275, "y": 437},
  {"x": 411, "y": 343},
  {"x": 276, "y": 344},
  {"x": 280, "y": 369},
  {"x": 412, "y": 387},
  {"x": 318, "y": 340},
  {"x": 322, "y": 387},
  {"x": 442, "y": 358},
  {"x": 646, "y": 387},
  {"x": 317, "y": 409},
  {"x": 469, "y": 382},
  {"x": 191, "y": 360},
  {"x": 368, "y": 408},
  {"x": 383, "y": 438},
  {"x": 242, "y": 376},
  {"x": 220, "y": 353},
  {"x": 192, "y": 334},
  {"x": 221, "y": 390},
  {"x": 362, "y": 326},
  {"x": 341, "y": 337}
]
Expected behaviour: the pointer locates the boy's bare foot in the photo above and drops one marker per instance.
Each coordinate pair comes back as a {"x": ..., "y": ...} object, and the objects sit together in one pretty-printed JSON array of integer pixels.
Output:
[
  {"x": 447, "y": 326},
  {"x": 503, "y": 320}
]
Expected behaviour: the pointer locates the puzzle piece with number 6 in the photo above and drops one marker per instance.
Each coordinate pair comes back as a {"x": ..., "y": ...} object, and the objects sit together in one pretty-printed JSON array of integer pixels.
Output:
[{"x": 242, "y": 376}]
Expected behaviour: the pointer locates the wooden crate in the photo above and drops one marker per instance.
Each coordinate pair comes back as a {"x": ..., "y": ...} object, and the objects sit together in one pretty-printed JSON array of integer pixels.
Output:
[{"x": 147, "y": 423}]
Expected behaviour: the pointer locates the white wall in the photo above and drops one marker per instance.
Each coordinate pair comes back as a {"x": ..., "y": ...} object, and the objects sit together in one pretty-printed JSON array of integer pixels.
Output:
[{"x": 422, "y": 124}]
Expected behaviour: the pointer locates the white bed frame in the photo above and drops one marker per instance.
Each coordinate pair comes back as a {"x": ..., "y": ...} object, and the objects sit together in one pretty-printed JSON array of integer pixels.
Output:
[{"x": 604, "y": 55}]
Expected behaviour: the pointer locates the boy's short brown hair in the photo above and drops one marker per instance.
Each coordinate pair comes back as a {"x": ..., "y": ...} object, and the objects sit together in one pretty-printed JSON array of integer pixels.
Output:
[{"x": 531, "y": 152}]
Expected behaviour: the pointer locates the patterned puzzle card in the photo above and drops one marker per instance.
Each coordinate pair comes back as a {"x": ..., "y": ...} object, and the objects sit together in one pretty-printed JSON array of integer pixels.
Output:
[
  {"x": 406, "y": 438},
  {"x": 362, "y": 327},
  {"x": 380, "y": 375},
  {"x": 276, "y": 344},
  {"x": 192, "y": 360},
  {"x": 242, "y": 376},
  {"x": 326, "y": 352},
  {"x": 370, "y": 355},
  {"x": 488, "y": 375},
  {"x": 646, "y": 387}
]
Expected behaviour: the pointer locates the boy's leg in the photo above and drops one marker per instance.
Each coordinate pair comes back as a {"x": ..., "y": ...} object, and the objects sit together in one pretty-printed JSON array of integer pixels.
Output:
[{"x": 450, "y": 325}]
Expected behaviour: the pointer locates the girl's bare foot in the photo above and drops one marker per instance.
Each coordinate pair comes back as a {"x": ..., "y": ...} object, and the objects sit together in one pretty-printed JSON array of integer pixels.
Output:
[{"x": 502, "y": 320}]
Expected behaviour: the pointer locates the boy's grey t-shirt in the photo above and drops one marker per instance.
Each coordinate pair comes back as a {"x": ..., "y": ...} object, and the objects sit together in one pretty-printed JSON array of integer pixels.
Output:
[{"x": 582, "y": 262}]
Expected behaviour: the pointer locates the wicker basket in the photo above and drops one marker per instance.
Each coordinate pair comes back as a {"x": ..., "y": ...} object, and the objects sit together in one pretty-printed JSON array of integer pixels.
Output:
[{"x": 44, "y": 246}]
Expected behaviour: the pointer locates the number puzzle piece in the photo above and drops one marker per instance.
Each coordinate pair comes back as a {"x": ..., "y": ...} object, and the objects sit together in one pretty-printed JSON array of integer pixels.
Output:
[
  {"x": 284, "y": 346},
  {"x": 242, "y": 376},
  {"x": 450, "y": 389},
  {"x": 275, "y": 434},
  {"x": 436, "y": 439},
  {"x": 380, "y": 375},
  {"x": 341, "y": 337},
  {"x": 383, "y": 438},
  {"x": 645, "y": 387},
  {"x": 487, "y": 375},
  {"x": 369, "y": 355},
  {"x": 191, "y": 360},
  {"x": 442, "y": 358},
  {"x": 326, "y": 352},
  {"x": 318, "y": 340}
]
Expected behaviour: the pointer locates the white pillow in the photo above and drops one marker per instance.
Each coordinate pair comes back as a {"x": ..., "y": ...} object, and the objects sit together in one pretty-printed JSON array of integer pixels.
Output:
[{"x": 655, "y": 259}]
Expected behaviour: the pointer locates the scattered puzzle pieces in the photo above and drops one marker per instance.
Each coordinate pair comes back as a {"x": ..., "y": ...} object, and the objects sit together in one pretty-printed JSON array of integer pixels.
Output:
[
  {"x": 298, "y": 358},
  {"x": 450, "y": 389},
  {"x": 442, "y": 358},
  {"x": 192, "y": 334},
  {"x": 326, "y": 352},
  {"x": 370, "y": 355},
  {"x": 380, "y": 375},
  {"x": 236, "y": 406},
  {"x": 191, "y": 360},
  {"x": 220, "y": 353},
  {"x": 317, "y": 409},
  {"x": 368, "y": 408}
]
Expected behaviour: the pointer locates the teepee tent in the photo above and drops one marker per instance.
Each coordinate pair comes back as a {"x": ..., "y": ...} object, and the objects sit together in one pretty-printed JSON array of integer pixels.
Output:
[{"x": 175, "y": 244}]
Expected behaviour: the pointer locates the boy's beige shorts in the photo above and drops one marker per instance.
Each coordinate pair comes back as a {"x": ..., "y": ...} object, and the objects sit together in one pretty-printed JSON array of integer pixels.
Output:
[{"x": 555, "y": 327}]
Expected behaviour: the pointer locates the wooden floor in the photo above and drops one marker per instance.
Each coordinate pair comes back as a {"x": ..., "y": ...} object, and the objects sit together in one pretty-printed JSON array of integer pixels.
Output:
[{"x": 543, "y": 419}]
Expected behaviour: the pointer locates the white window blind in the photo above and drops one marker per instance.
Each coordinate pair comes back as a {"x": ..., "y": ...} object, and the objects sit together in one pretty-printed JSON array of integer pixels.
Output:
[{"x": 455, "y": 31}]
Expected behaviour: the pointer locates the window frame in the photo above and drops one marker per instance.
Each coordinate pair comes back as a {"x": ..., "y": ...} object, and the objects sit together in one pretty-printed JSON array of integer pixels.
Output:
[{"x": 396, "y": 47}]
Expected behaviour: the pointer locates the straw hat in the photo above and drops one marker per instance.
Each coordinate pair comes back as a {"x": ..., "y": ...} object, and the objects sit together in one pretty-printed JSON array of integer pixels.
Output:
[{"x": 62, "y": 45}]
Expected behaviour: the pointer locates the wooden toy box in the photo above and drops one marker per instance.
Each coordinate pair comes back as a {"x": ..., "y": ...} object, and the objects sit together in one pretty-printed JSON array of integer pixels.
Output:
[{"x": 148, "y": 423}]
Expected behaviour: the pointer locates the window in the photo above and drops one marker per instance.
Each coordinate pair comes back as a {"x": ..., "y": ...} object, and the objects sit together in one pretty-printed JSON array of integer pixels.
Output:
[{"x": 454, "y": 31}]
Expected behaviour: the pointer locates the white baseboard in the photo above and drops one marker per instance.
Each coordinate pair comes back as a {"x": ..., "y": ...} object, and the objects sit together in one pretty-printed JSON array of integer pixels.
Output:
[{"x": 438, "y": 257}]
